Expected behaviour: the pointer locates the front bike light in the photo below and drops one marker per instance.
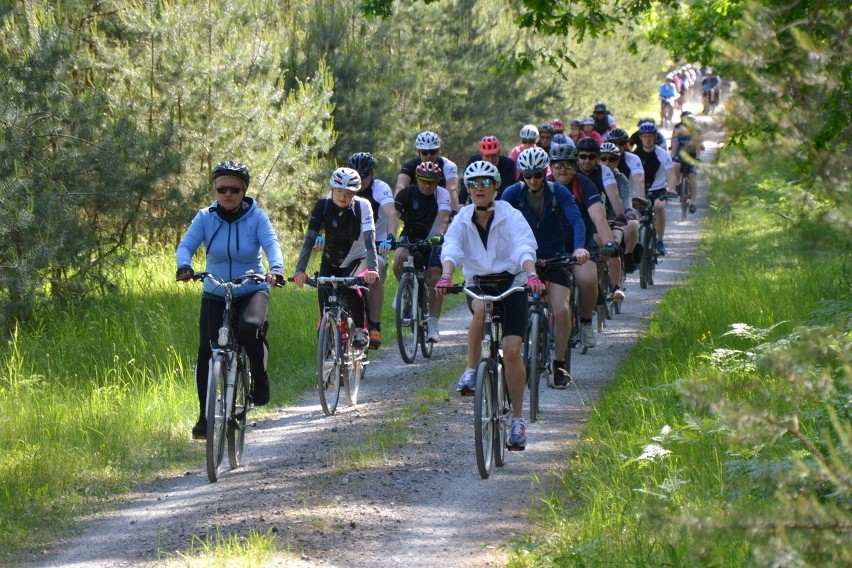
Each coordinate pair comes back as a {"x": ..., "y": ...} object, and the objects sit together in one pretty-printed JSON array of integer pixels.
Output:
[
  {"x": 485, "y": 349},
  {"x": 223, "y": 336}
]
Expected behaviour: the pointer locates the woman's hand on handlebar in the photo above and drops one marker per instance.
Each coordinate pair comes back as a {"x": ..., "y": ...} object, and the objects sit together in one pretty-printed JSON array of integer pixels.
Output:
[
  {"x": 581, "y": 254},
  {"x": 275, "y": 278},
  {"x": 443, "y": 283},
  {"x": 300, "y": 278},
  {"x": 369, "y": 276}
]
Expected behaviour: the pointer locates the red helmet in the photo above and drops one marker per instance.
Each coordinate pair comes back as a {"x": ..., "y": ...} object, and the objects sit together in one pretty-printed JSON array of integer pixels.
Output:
[
  {"x": 428, "y": 170},
  {"x": 489, "y": 145},
  {"x": 558, "y": 125}
]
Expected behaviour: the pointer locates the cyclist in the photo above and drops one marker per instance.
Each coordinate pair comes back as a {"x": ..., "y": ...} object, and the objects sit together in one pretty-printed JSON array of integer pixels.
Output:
[
  {"x": 558, "y": 126},
  {"x": 552, "y": 213},
  {"x": 588, "y": 155},
  {"x": 424, "y": 208},
  {"x": 428, "y": 147},
  {"x": 659, "y": 176},
  {"x": 233, "y": 230},
  {"x": 563, "y": 161},
  {"x": 686, "y": 145},
  {"x": 668, "y": 94},
  {"x": 545, "y": 135},
  {"x": 348, "y": 246},
  {"x": 635, "y": 141},
  {"x": 589, "y": 130},
  {"x": 575, "y": 130},
  {"x": 380, "y": 196},
  {"x": 611, "y": 156},
  {"x": 529, "y": 137},
  {"x": 604, "y": 121},
  {"x": 710, "y": 85},
  {"x": 629, "y": 164},
  {"x": 489, "y": 150},
  {"x": 495, "y": 246},
  {"x": 561, "y": 139}
]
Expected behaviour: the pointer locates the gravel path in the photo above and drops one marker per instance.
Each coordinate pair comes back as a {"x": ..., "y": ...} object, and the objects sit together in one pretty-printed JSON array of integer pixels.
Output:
[{"x": 425, "y": 505}]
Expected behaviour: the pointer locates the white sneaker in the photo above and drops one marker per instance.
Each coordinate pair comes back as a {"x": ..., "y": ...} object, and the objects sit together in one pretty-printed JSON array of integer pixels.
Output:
[
  {"x": 618, "y": 295},
  {"x": 587, "y": 335},
  {"x": 434, "y": 335},
  {"x": 467, "y": 382}
]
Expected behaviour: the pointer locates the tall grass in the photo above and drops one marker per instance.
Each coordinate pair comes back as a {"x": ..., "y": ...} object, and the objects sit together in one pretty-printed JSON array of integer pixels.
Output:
[
  {"x": 100, "y": 396},
  {"x": 662, "y": 477}
]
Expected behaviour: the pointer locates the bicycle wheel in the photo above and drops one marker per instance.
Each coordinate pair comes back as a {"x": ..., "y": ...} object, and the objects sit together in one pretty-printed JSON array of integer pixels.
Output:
[
  {"x": 236, "y": 432},
  {"x": 609, "y": 303},
  {"x": 502, "y": 411},
  {"x": 407, "y": 326},
  {"x": 573, "y": 338},
  {"x": 483, "y": 419},
  {"x": 683, "y": 191},
  {"x": 648, "y": 245},
  {"x": 425, "y": 346},
  {"x": 216, "y": 385},
  {"x": 329, "y": 368},
  {"x": 532, "y": 363}
]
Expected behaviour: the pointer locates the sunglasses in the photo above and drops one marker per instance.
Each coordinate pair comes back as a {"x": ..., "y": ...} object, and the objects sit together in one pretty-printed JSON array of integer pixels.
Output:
[
  {"x": 609, "y": 158},
  {"x": 233, "y": 190},
  {"x": 536, "y": 175},
  {"x": 485, "y": 184},
  {"x": 587, "y": 156},
  {"x": 428, "y": 152},
  {"x": 426, "y": 180},
  {"x": 559, "y": 166},
  {"x": 528, "y": 140}
]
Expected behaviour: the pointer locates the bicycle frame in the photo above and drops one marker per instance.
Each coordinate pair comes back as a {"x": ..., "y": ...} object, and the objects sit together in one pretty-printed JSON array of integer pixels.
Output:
[{"x": 418, "y": 294}]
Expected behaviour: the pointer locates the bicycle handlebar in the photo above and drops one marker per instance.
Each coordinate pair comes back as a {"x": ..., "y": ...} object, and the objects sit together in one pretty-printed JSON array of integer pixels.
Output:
[
  {"x": 424, "y": 243},
  {"x": 558, "y": 260},
  {"x": 238, "y": 282},
  {"x": 334, "y": 281}
]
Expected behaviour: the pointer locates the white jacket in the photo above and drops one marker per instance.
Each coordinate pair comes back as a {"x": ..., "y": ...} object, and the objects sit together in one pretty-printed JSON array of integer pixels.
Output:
[{"x": 510, "y": 242}]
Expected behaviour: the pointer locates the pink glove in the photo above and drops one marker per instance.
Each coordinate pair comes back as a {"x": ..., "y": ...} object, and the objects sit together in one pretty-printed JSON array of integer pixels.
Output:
[
  {"x": 535, "y": 284},
  {"x": 444, "y": 282}
]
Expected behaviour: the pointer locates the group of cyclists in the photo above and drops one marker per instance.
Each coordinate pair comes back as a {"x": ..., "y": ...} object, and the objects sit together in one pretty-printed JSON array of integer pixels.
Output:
[
  {"x": 555, "y": 193},
  {"x": 685, "y": 84}
]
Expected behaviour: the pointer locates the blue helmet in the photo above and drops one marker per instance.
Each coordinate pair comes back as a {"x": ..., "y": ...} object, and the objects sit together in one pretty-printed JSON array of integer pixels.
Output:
[{"x": 647, "y": 128}]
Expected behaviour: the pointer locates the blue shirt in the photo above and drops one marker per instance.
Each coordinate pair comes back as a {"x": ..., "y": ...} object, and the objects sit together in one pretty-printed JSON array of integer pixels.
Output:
[{"x": 559, "y": 215}]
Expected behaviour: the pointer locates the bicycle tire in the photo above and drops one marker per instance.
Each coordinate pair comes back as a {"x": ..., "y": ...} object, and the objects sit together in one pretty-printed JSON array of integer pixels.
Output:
[
  {"x": 533, "y": 364},
  {"x": 647, "y": 254},
  {"x": 609, "y": 303},
  {"x": 574, "y": 332},
  {"x": 329, "y": 368},
  {"x": 502, "y": 412},
  {"x": 426, "y": 347},
  {"x": 216, "y": 387},
  {"x": 407, "y": 328},
  {"x": 684, "y": 197},
  {"x": 483, "y": 419},
  {"x": 236, "y": 434}
]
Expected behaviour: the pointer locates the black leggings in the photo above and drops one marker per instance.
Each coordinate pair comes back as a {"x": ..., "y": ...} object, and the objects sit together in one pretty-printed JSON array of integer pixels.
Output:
[
  {"x": 352, "y": 299},
  {"x": 251, "y": 312}
]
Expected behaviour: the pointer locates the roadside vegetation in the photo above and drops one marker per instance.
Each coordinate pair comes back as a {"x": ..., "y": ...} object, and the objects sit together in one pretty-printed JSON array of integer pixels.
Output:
[{"x": 726, "y": 438}]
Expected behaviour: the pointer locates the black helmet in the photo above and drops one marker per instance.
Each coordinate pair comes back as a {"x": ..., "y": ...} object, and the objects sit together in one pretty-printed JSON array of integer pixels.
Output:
[
  {"x": 362, "y": 162},
  {"x": 589, "y": 144},
  {"x": 546, "y": 127},
  {"x": 563, "y": 153},
  {"x": 231, "y": 168},
  {"x": 617, "y": 135},
  {"x": 600, "y": 107}
]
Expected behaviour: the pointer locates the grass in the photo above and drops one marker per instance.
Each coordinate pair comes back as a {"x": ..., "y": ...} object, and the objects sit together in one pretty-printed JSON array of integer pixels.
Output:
[{"x": 678, "y": 465}]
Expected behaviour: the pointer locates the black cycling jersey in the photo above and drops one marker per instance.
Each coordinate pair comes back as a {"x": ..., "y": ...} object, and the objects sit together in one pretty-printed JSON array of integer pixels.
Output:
[
  {"x": 650, "y": 163},
  {"x": 367, "y": 193},
  {"x": 417, "y": 211},
  {"x": 409, "y": 168},
  {"x": 341, "y": 227}
]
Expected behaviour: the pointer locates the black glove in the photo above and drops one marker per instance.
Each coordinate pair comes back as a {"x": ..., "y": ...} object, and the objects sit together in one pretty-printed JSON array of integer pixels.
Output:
[{"x": 184, "y": 273}]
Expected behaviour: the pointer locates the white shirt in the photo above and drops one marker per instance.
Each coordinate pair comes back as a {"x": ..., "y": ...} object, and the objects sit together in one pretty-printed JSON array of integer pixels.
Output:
[
  {"x": 510, "y": 242},
  {"x": 359, "y": 249}
]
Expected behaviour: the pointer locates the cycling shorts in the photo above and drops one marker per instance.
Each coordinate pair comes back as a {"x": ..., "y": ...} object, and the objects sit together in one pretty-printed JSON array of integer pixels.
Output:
[
  {"x": 512, "y": 309},
  {"x": 556, "y": 274}
]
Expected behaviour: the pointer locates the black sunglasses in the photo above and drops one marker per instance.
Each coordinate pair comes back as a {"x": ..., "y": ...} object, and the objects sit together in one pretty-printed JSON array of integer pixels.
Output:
[
  {"x": 536, "y": 175},
  {"x": 232, "y": 189},
  {"x": 429, "y": 152},
  {"x": 587, "y": 156}
]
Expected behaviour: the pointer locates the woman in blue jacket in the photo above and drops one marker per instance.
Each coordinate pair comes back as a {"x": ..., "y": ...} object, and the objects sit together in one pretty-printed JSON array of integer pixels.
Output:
[{"x": 233, "y": 230}]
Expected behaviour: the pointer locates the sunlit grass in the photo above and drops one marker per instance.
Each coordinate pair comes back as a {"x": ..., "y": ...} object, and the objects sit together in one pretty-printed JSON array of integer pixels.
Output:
[
  {"x": 228, "y": 551},
  {"x": 646, "y": 460}
]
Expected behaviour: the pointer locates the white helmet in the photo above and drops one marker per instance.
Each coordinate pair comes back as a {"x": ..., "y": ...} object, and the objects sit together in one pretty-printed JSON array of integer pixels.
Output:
[
  {"x": 482, "y": 168},
  {"x": 533, "y": 160},
  {"x": 427, "y": 140},
  {"x": 529, "y": 132},
  {"x": 589, "y": 120},
  {"x": 346, "y": 178}
]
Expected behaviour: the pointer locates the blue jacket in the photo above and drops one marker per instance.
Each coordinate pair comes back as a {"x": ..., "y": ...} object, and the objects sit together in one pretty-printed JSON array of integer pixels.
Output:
[
  {"x": 232, "y": 248},
  {"x": 550, "y": 231}
]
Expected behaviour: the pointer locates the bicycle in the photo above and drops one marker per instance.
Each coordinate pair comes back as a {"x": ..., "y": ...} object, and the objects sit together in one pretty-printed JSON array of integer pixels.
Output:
[
  {"x": 337, "y": 358},
  {"x": 229, "y": 383},
  {"x": 668, "y": 110},
  {"x": 648, "y": 237},
  {"x": 492, "y": 409},
  {"x": 412, "y": 302},
  {"x": 539, "y": 339},
  {"x": 683, "y": 190}
]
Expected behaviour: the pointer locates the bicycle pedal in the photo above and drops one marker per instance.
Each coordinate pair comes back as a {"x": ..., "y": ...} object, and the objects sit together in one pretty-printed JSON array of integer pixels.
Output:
[{"x": 516, "y": 448}]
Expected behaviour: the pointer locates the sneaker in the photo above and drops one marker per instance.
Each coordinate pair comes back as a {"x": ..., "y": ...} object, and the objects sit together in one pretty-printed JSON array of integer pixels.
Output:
[
  {"x": 433, "y": 335},
  {"x": 199, "y": 431},
  {"x": 361, "y": 338},
  {"x": 587, "y": 335},
  {"x": 618, "y": 295},
  {"x": 561, "y": 377},
  {"x": 375, "y": 338},
  {"x": 260, "y": 389},
  {"x": 518, "y": 438},
  {"x": 629, "y": 263},
  {"x": 467, "y": 382},
  {"x": 661, "y": 248},
  {"x": 692, "y": 208}
]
